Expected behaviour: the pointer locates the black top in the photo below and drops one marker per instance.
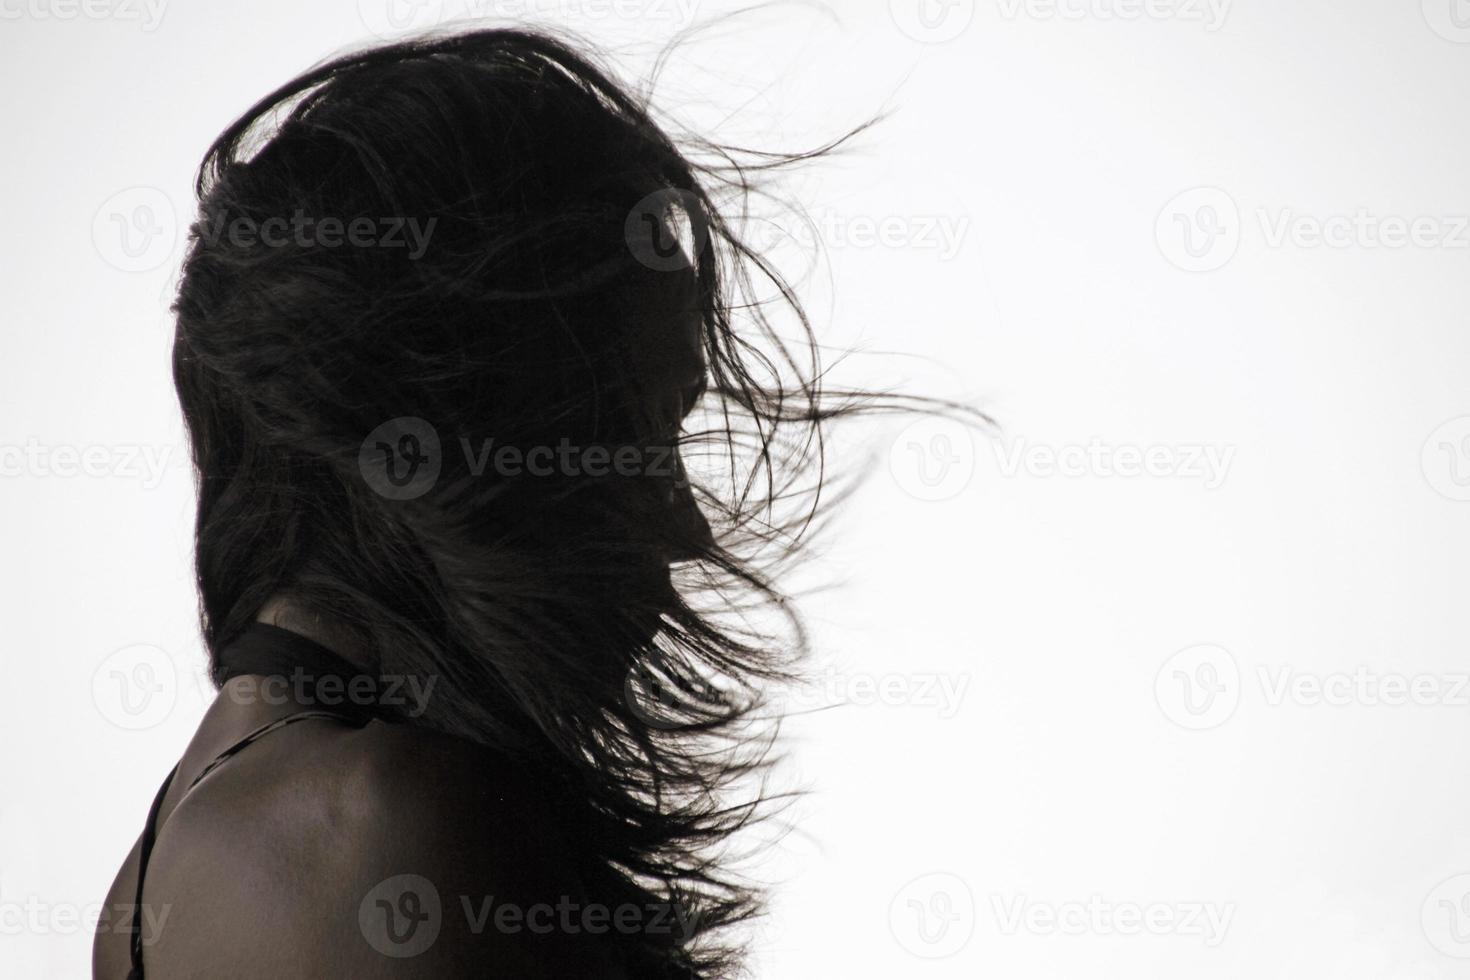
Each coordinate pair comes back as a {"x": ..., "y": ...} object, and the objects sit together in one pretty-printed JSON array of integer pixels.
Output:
[{"x": 268, "y": 651}]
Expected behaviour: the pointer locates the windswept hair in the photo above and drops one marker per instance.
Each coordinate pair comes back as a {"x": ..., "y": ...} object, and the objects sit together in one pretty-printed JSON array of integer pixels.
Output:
[{"x": 524, "y": 318}]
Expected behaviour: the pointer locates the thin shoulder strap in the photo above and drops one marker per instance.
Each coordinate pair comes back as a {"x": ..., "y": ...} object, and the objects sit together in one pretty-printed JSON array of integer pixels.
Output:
[
  {"x": 150, "y": 830},
  {"x": 144, "y": 852},
  {"x": 256, "y": 735}
]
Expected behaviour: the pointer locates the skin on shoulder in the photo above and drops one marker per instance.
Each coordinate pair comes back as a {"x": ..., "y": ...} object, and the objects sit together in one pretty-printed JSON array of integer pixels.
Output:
[{"x": 385, "y": 851}]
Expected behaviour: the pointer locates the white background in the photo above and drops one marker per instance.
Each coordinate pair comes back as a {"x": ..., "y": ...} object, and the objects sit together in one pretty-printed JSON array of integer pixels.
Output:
[{"x": 1089, "y": 770}]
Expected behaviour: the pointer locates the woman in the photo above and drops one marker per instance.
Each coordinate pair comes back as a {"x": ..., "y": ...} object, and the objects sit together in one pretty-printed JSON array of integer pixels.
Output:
[{"x": 455, "y": 315}]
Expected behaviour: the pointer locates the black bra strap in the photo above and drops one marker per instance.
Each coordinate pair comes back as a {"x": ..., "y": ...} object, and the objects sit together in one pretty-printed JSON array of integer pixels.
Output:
[{"x": 150, "y": 832}]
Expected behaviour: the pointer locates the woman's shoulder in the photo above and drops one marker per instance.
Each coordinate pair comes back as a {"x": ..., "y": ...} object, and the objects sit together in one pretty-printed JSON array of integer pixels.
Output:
[
  {"x": 385, "y": 850},
  {"x": 347, "y": 783}
]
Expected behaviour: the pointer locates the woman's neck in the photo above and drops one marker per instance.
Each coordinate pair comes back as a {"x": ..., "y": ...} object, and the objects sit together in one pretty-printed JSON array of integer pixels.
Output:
[{"x": 286, "y": 613}]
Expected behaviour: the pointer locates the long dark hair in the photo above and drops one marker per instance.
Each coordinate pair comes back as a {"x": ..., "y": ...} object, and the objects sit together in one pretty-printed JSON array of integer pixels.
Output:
[{"x": 593, "y": 628}]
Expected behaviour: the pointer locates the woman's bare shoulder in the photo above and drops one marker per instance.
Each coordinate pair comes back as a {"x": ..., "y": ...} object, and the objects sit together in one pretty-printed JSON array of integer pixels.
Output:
[{"x": 388, "y": 851}]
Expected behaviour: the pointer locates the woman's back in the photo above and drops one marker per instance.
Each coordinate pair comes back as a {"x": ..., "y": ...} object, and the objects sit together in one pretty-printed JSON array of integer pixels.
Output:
[{"x": 320, "y": 845}]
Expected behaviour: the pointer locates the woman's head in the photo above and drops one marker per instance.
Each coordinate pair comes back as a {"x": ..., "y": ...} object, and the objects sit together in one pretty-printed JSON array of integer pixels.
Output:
[
  {"x": 472, "y": 233},
  {"x": 455, "y": 315}
]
